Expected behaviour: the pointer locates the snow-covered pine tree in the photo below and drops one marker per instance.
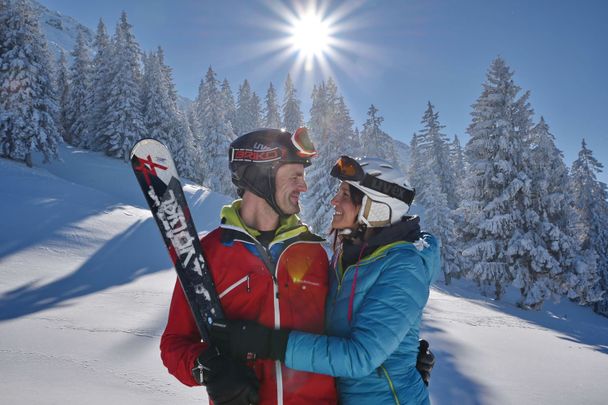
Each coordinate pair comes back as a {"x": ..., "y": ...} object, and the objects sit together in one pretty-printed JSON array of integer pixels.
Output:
[
  {"x": 497, "y": 187},
  {"x": 28, "y": 104},
  {"x": 160, "y": 109},
  {"x": 195, "y": 127},
  {"x": 591, "y": 224},
  {"x": 328, "y": 127},
  {"x": 247, "y": 110},
  {"x": 544, "y": 250},
  {"x": 216, "y": 135},
  {"x": 435, "y": 146},
  {"x": 122, "y": 124},
  {"x": 62, "y": 86},
  {"x": 458, "y": 166},
  {"x": 430, "y": 170},
  {"x": 413, "y": 172},
  {"x": 255, "y": 111},
  {"x": 100, "y": 80},
  {"x": 80, "y": 100},
  {"x": 183, "y": 147},
  {"x": 437, "y": 219},
  {"x": 375, "y": 142},
  {"x": 292, "y": 114},
  {"x": 348, "y": 135},
  {"x": 272, "y": 117},
  {"x": 228, "y": 105},
  {"x": 167, "y": 77}
]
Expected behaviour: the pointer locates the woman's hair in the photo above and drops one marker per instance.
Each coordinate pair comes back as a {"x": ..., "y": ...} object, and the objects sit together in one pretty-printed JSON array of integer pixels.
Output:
[{"x": 356, "y": 195}]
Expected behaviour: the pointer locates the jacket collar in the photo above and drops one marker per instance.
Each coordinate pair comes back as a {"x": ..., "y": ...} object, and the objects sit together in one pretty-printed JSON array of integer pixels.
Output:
[{"x": 235, "y": 229}]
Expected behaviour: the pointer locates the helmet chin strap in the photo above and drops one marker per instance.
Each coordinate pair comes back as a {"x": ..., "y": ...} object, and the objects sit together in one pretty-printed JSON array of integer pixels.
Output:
[{"x": 271, "y": 198}]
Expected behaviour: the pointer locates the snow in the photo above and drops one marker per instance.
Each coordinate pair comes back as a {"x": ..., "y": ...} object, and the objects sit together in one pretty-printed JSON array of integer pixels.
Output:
[{"x": 85, "y": 285}]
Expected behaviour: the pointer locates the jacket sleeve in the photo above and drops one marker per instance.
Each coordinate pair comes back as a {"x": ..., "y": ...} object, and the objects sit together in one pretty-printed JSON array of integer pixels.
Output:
[
  {"x": 180, "y": 343},
  {"x": 389, "y": 309}
]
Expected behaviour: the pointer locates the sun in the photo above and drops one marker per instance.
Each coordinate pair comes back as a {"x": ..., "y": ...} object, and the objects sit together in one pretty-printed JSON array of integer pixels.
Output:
[
  {"x": 310, "y": 35},
  {"x": 317, "y": 38}
]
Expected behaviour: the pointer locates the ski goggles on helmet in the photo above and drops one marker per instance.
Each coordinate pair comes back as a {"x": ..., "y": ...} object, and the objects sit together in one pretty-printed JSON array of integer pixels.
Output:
[
  {"x": 301, "y": 141},
  {"x": 347, "y": 168}
]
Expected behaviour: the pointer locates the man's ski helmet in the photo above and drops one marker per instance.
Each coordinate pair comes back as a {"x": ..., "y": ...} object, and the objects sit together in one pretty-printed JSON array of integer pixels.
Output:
[
  {"x": 255, "y": 157},
  {"x": 387, "y": 194}
]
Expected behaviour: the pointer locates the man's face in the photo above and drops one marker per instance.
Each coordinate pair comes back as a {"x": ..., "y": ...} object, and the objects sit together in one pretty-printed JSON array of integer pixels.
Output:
[{"x": 290, "y": 183}]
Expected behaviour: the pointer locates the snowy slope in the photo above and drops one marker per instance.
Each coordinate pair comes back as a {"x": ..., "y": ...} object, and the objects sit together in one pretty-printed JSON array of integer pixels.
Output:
[
  {"x": 61, "y": 31},
  {"x": 85, "y": 284}
]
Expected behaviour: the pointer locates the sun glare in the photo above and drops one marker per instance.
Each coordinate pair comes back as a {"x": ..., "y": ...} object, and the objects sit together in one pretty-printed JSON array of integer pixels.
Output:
[
  {"x": 315, "y": 36},
  {"x": 311, "y": 36}
]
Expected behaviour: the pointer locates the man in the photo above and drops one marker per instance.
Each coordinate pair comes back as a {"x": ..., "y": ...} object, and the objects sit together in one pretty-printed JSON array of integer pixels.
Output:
[{"x": 267, "y": 267}]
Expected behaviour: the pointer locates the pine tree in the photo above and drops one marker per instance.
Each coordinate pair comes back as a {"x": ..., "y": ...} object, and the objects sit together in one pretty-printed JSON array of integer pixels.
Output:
[
  {"x": 415, "y": 172},
  {"x": 544, "y": 249},
  {"x": 591, "y": 224},
  {"x": 255, "y": 111},
  {"x": 350, "y": 144},
  {"x": 434, "y": 145},
  {"x": 216, "y": 134},
  {"x": 433, "y": 179},
  {"x": 101, "y": 77},
  {"x": 228, "y": 105},
  {"x": 247, "y": 110},
  {"x": 292, "y": 114},
  {"x": 63, "y": 89},
  {"x": 160, "y": 110},
  {"x": 80, "y": 100},
  {"x": 272, "y": 117},
  {"x": 325, "y": 128},
  {"x": 375, "y": 142},
  {"x": 122, "y": 124},
  {"x": 28, "y": 104},
  {"x": 497, "y": 186},
  {"x": 457, "y": 161}
]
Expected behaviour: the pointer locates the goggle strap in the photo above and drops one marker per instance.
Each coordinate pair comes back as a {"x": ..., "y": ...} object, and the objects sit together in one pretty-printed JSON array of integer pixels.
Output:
[{"x": 390, "y": 189}]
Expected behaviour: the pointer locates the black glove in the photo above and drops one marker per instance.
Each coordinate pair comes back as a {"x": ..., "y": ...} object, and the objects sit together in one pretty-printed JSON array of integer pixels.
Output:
[
  {"x": 425, "y": 361},
  {"x": 228, "y": 381},
  {"x": 247, "y": 339}
]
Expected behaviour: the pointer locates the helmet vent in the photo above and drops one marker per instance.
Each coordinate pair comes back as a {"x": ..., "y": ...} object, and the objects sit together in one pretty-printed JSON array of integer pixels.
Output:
[
  {"x": 386, "y": 166},
  {"x": 374, "y": 173}
]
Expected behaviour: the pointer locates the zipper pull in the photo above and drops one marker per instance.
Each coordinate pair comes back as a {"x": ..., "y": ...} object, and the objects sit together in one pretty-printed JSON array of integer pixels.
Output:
[{"x": 248, "y": 286}]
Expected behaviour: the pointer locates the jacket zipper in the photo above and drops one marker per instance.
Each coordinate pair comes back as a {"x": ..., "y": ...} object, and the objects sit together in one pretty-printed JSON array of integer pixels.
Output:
[
  {"x": 390, "y": 383},
  {"x": 277, "y": 322}
]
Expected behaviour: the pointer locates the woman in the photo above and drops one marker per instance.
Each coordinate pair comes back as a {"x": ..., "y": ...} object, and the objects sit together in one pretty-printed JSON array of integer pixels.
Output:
[{"x": 382, "y": 270}]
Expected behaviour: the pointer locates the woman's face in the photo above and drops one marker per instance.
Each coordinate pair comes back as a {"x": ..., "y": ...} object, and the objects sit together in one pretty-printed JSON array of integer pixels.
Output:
[{"x": 346, "y": 212}]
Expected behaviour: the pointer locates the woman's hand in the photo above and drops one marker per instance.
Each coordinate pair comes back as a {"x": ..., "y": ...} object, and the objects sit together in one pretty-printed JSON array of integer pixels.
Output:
[{"x": 249, "y": 340}]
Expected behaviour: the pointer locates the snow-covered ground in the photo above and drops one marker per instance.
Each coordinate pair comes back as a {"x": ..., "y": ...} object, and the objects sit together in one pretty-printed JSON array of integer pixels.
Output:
[{"x": 85, "y": 284}]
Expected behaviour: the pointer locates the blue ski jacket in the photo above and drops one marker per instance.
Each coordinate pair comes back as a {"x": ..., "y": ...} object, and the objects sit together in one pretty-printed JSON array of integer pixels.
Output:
[{"x": 373, "y": 315}]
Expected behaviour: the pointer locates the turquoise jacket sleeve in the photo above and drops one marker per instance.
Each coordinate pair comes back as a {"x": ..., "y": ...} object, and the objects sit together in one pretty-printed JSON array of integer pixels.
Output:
[{"x": 391, "y": 306}]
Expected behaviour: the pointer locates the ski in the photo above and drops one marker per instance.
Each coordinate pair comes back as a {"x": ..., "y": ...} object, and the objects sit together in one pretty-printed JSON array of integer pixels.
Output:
[{"x": 156, "y": 173}]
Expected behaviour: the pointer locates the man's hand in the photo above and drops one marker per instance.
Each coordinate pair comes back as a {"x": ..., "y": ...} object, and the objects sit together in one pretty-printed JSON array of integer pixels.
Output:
[
  {"x": 425, "y": 361},
  {"x": 228, "y": 381},
  {"x": 246, "y": 339}
]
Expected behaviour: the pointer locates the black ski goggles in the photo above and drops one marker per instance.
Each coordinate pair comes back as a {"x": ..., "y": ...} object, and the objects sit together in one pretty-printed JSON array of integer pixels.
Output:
[
  {"x": 347, "y": 168},
  {"x": 301, "y": 141}
]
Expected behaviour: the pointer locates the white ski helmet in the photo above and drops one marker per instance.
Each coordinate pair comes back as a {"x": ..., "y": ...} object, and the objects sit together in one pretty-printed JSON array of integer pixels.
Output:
[{"x": 387, "y": 193}]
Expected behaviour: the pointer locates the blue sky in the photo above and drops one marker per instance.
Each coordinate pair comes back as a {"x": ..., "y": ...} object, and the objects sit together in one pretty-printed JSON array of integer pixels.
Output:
[{"x": 400, "y": 54}]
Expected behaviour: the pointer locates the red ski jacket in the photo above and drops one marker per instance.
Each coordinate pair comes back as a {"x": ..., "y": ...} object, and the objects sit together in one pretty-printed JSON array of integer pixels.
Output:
[{"x": 293, "y": 299}]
